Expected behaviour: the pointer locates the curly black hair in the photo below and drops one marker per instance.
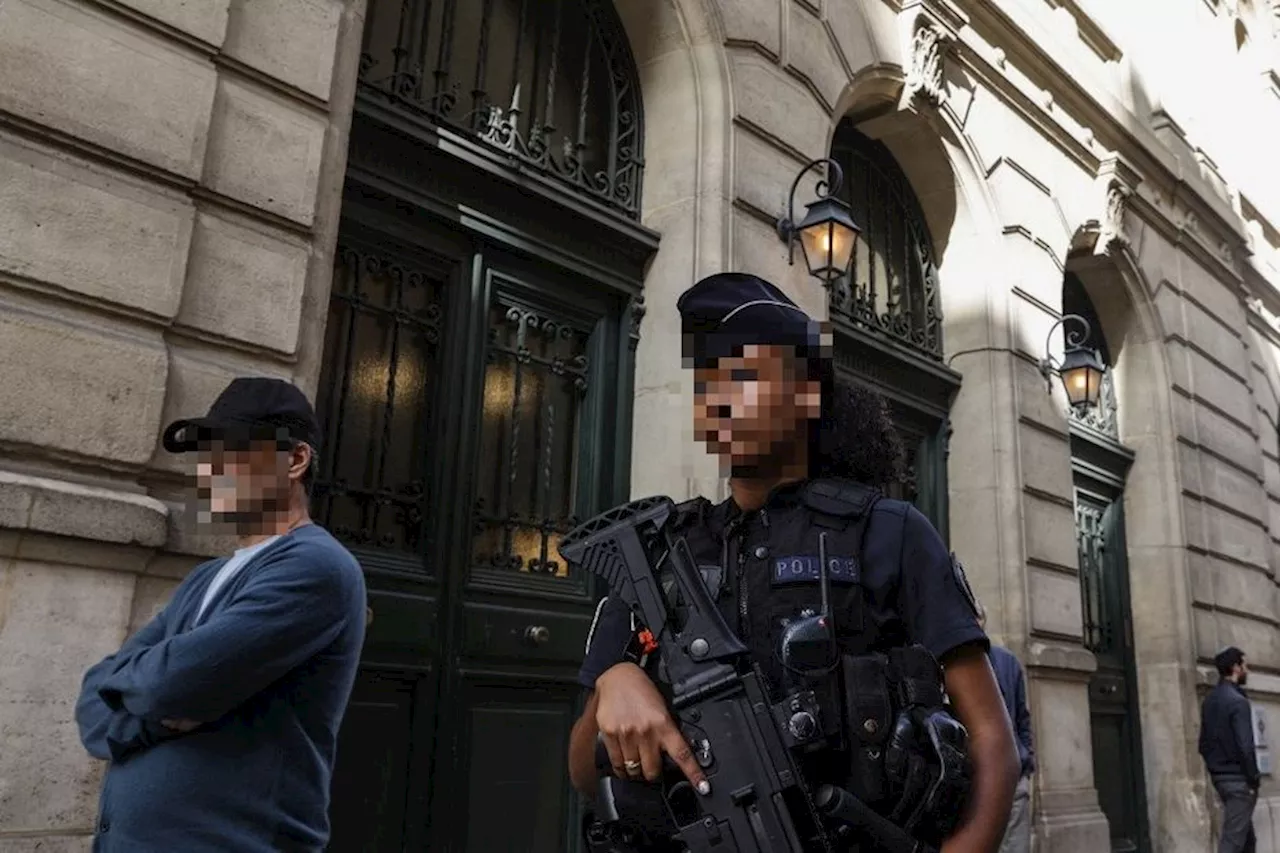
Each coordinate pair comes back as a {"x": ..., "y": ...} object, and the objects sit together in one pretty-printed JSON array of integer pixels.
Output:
[{"x": 855, "y": 437}]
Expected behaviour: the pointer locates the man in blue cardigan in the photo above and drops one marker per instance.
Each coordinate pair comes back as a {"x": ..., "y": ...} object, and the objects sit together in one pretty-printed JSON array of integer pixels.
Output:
[{"x": 220, "y": 717}]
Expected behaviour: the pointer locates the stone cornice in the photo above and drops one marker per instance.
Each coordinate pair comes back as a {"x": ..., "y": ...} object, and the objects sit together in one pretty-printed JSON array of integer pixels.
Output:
[
  {"x": 1177, "y": 184},
  {"x": 45, "y": 505}
]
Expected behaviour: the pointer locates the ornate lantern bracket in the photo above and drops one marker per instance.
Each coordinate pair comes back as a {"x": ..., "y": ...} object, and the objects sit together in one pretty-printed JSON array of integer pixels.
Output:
[
  {"x": 827, "y": 233},
  {"x": 1081, "y": 370}
]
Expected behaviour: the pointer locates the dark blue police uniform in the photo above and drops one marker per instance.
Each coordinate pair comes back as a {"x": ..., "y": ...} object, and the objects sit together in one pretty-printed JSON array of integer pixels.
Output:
[{"x": 896, "y": 582}]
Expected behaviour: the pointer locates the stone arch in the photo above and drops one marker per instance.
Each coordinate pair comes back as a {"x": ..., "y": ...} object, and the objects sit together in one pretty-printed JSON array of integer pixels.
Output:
[
  {"x": 927, "y": 139},
  {"x": 1163, "y": 628}
]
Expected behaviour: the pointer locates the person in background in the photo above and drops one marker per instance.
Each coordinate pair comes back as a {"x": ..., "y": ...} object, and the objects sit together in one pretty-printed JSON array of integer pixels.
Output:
[
  {"x": 219, "y": 718},
  {"x": 1227, "y": 747},
  {"x": 1013, "y": 686}
]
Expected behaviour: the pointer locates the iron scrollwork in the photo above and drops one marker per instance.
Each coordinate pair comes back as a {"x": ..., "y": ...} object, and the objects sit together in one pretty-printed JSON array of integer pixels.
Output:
[
  {"x": 551, "y": 83},
  {"x": 536, "y": 376},
  {"x": 892, "y": 288},
  {"x": 1091, "y": 545},
  {"x": 384, "y": 329}
]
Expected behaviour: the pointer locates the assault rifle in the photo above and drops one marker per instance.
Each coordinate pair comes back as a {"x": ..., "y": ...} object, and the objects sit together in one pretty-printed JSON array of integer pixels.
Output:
[{"x": 746, "y": 745}]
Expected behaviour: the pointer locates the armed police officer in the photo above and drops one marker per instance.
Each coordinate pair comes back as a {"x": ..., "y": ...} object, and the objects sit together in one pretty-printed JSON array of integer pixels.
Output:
[{"x": 802, "y": 456}]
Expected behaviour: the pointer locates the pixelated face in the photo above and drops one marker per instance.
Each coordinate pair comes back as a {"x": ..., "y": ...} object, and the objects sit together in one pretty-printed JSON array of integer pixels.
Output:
[
  {"x": 240, "y": 483},
  {"x": 751, "y": 409},
  {"x": 1242, "y": 671}
]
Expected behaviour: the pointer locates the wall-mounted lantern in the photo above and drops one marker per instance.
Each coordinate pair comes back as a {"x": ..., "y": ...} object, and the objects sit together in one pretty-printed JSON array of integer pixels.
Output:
[
  {"x": 1081, "y": 370},
  {"x": 827, "y": 233}
]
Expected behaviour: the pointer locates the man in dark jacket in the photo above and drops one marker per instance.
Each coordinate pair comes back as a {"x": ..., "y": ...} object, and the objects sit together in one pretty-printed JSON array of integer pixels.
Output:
[
  {"x": 1226, "y": 744},
  {"x": 219, "y": 719},
  {"x": 1013, "y": 687}
]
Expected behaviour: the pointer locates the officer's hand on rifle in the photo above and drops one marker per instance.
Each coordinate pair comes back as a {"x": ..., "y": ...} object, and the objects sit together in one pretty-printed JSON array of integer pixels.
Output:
[{"x": 637, "y": 728}]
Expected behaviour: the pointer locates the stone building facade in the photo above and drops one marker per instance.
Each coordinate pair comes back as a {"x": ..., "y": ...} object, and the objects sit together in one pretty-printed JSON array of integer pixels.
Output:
[{"x": 462, "y": 227}]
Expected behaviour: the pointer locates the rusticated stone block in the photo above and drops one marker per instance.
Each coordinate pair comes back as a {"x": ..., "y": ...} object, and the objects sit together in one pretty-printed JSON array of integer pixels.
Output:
[
  {"x": 101, "y": 79},
  {"x": 1050, "y": 531},
  {"x": 1055, "y": 602},
  {"x": 195, "y": 381},
  {"x": 755, "y": 22},
  {"x": 866, "y": 33},
  {"x": 91, "y": 231},
  {"x": 292, "y": 40},
  {"x": 79, "y": 389},
  {"x": 264, "y": 150},
  {"x": 55, "y": 622},
  {"x": 204, "y": 19},
  {"x": 811, "y": 52},
  {"x": 769, "y": 98},
  {"x": 83, "y": 512},
  {"x": 246, "y": 282}
]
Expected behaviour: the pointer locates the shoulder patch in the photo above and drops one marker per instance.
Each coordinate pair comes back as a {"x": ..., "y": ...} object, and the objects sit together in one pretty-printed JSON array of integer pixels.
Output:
[
  {"x": 962, "y": 581},
  {"x": 839, "y": 498}
]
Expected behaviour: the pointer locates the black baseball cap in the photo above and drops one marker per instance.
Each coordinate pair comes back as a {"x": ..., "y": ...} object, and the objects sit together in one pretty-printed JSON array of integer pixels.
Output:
[
  {"x": 250, "y": 407},
  {"x": 724, "y": 312}
]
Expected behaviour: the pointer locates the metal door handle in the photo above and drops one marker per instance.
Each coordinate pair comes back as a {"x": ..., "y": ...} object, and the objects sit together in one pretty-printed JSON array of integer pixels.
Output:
[
  {"x": 538, "y": 635},
  {"x": 1107, "y": 689}
]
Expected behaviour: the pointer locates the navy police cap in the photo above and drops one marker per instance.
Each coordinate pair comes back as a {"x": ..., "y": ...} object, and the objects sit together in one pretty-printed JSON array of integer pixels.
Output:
[{"x": 724, "y": 312}]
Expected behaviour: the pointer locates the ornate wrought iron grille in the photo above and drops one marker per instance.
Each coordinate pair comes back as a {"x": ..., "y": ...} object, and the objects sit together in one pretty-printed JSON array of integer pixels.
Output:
[
  {"x": 892, "y": 288},
  {"x": 374, "y": 399},
  {"x": 550, "y": 82},
  {"x": 1104, "y": 418},
  {"x": 535, "y": 382},
  {"x": 1091, "y": 545}
]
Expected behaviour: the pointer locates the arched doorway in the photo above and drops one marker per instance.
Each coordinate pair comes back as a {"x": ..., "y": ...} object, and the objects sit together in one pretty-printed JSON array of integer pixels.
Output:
[
  {"x": 1100, "y": 467},
  {"x": 887, "y": 315},
  {"x": 476, "y": 398}
]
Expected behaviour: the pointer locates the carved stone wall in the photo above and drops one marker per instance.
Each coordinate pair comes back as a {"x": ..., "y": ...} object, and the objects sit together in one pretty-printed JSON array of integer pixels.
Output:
[
  {"x": 157, "y": 239},
  {"x": 169, "y": 184}
]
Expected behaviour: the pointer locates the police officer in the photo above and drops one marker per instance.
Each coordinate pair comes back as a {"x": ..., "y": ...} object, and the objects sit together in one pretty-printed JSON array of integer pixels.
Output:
[{"x": 792, "y": 445}]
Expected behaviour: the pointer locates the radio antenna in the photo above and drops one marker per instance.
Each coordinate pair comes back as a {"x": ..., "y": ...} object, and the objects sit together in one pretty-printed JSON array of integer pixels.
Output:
[{"x": 824, "y": 576}]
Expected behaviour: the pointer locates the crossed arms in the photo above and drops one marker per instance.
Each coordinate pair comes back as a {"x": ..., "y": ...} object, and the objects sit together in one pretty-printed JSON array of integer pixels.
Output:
[{"x": 287, "y": 612}]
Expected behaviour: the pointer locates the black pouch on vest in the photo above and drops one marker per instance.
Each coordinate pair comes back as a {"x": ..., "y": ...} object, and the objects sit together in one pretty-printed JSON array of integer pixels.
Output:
[{"x": 868, "y": 709}]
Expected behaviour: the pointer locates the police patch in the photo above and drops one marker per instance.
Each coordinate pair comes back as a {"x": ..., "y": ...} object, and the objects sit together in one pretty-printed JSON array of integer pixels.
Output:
[
  {"x": 962, "y": 581},
  {"x": 807, "y": 569}
]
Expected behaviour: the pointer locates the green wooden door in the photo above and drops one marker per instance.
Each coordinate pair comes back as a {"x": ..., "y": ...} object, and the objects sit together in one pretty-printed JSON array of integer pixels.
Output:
[
  {"x": 467, "y": 414},
  {"x": 1113, "y": 696},
  {"x": 477, "y": 397}
]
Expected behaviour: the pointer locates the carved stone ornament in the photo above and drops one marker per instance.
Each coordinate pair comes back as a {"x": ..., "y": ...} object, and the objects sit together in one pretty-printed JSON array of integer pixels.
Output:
[
  {"x": 1113, "y": 230},
  {"x": 928, "y": 50}
]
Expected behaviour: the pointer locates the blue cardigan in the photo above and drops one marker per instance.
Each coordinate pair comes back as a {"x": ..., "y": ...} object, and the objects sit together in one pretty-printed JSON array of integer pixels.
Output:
[{"x": 268, "y": 672}]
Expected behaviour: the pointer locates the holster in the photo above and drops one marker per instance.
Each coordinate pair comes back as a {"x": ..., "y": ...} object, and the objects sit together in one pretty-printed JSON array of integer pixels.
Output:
[
  {"x": 909, "y": 754},
  {"x": 927, "y": 758}
]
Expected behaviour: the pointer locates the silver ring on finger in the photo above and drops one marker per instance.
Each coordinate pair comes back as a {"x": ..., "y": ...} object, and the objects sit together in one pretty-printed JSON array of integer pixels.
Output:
[{"x": 632, "y": 767}]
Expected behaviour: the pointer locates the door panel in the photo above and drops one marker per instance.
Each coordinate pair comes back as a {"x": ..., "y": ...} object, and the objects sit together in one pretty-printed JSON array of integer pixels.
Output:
[
  {"x": 531, "y": 636},
  {"x": 531, "y": 434},
  {"x": 378, "y": 394},
  {"x": 376, "y": 777},
  {"x": 518, "y": 796},
  {"x": 540, "y": 419},
  {"x": 1113, "y": 699}
]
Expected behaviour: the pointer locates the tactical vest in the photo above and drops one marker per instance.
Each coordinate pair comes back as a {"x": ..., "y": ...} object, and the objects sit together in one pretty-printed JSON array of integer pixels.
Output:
[{"x": 764, "y": 567}]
